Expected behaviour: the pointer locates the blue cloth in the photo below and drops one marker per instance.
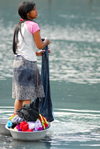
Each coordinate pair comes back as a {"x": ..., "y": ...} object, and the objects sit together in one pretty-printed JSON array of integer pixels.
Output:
[
  {"x": 46, "y": 103},
  {"x": 9, "y": 123}
]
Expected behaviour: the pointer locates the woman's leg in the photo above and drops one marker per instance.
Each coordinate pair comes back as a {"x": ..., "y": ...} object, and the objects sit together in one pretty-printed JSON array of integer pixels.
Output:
[
  {"x": 26, "y": 102},
  {"x": 18, "y": 104}
]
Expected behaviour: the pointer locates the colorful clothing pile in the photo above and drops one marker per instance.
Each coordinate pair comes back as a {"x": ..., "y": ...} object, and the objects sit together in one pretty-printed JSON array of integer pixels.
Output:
[{"x": 18, "y": 124}]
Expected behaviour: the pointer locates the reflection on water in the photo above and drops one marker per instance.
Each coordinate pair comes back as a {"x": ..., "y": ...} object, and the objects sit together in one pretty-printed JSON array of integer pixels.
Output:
[
  {"x": 70, "y": 128},
  {"x": 74, "y": 57},
  {"x": 76, "y": 62}
]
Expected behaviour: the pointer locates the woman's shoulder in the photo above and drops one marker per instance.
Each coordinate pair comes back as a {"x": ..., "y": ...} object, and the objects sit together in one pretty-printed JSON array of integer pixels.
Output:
[
  {"x": 31, "y": 23},
  {"x": 32, "y": 26}
]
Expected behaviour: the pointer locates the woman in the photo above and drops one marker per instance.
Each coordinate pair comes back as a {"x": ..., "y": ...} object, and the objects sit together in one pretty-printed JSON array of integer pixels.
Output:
[{"x": 25, "y": 71}]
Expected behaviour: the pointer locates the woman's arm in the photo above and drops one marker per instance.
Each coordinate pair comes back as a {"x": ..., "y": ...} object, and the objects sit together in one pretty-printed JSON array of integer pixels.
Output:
[{"x": 39, "y": 43}]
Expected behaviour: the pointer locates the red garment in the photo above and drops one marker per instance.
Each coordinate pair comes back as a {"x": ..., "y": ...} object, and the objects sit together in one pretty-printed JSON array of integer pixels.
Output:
[
  {"x": 43, "y": 121},
  {"x": 24, "y": 126},
  {"x": 13, "y": 114}
]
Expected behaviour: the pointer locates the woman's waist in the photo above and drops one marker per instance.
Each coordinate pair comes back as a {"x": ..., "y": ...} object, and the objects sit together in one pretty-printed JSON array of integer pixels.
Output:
[
  {"x": 21, "y": 62},
  {"x": 27, "y": 54}
]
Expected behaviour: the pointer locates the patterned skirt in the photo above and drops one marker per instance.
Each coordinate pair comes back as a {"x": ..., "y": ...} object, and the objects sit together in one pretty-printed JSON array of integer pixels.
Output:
[{"x": 24, "y": 85}]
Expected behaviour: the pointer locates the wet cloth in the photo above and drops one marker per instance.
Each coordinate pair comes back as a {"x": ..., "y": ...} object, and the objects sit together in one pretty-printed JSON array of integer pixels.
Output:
[
  {"x": 43, "y": 121},
  {"x": 38, "y": 125},
  {"x": 12, "y": 116},
  {"x": 25, "y": 79},
  {"x": 28, "y": 112},
  {"x": 9, "y": 123},
  {"x": 16, "y": 119},
  {"x": 31, "y": 125},
  {"x": 46, "y": 103}
]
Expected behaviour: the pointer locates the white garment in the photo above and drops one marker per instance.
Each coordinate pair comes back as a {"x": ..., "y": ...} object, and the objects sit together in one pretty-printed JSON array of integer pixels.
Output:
[
  {"x": 31, "y": 125},
  {"x": 38, "y": 125},
  {"x": 26, "y": 45}
]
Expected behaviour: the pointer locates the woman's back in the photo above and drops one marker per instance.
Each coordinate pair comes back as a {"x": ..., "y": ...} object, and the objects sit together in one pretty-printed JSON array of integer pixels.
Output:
[{"x": 26, "y": 44}]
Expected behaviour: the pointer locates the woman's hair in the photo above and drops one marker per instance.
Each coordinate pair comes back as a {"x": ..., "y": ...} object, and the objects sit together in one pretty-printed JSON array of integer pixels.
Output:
[{"x": 23, "y": 9}]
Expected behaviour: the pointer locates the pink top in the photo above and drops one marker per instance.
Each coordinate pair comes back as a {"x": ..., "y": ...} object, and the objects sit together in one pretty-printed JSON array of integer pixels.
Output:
[
  {"x": 32, "y": 26},
  {"x": 26, "y": 47}
]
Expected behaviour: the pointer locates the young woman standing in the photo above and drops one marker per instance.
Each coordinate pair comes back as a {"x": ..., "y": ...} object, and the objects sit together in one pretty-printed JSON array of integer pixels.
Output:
[{"x": 25, "y": 71}]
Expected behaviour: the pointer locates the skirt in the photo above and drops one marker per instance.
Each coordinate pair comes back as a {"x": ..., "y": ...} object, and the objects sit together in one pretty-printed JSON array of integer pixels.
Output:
[{"x": 26, "y": 85}]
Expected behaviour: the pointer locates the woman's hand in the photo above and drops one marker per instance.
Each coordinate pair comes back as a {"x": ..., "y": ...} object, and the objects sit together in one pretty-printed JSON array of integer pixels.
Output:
[
  {"x": 39, "y": 53},
  {"x": 47, "y": 41}
]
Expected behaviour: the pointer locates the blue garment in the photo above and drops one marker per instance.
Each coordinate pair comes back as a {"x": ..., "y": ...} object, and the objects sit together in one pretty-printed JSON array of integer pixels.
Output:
[
  {"x": 9, "y": 123},
  {"x": 46, "y": 103}
]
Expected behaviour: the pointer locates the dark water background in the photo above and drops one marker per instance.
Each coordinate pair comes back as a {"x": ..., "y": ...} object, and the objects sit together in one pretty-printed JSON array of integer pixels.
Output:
[{"x": 73, "y": 26}]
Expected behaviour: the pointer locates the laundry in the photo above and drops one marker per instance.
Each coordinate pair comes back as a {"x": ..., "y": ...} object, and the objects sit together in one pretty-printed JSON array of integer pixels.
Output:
[
  {"x": 13, "y": 125},
  {"x": 23, "y": 126},
  {"x": 13, "y": 115},
  {"x": 9, "y": 123},
  {"x": 28, "y": 112},
  {"x": 38, "y": 125},
  {"x": 46, "y": 102},
  {"x": 29, "y": 126},
  {"x": 16, "y": 119},
  {"x": 18, "y": 127},
  {"x": 43, "y": 121}
]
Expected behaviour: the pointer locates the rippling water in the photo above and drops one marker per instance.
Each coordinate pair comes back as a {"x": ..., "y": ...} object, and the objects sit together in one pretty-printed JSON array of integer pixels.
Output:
[
  {"x": 73, "y": 28},
  {"x": 71, "y": 129},
  {"x": 75, "y": 42}
]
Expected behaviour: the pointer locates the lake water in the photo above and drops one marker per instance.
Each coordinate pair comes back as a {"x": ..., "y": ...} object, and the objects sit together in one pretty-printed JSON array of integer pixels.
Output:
[{"x": 73, "y": 27}]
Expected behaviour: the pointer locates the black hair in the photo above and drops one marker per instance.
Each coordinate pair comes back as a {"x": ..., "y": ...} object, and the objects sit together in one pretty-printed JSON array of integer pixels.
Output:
[{"x": 23, "y": 9}]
